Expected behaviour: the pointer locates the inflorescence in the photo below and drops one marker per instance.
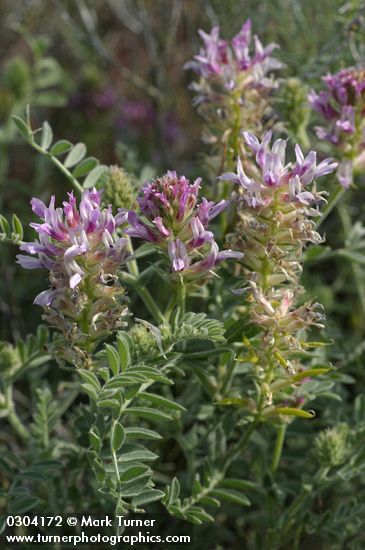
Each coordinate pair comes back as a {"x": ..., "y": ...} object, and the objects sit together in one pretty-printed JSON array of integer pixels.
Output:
[{"x": 342, "y": 107}]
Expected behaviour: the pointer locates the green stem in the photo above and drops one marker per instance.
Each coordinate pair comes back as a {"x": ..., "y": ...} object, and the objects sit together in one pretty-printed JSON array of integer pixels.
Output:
[
  {"x": 205, "y": 492},
  {"x": 278, "y": 447},
  {"x": 170, "y": 306},
  {"x": 331, "y": 205},
  {"x": 296, "y": 504},
  {"x": 150, "y": 304},
  {"x": 119, "y": 498},
  {"x": 132, "y": 264},
  {"x": 228, "y": 374},
  {"x": 181, "y": 296},
  {"x": 59, "y": 165},
  {"x": 132, "y": 279},
  {"x": 237, "y": 449},
  {"x": 306, "y": 494},
  {"x": 145, "y": 295},
  {"x": 13, "y": 418},
  {"x": 356, "y": 269}
]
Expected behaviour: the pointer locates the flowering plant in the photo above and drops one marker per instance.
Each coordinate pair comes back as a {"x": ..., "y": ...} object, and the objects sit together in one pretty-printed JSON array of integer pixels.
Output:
[
  {"x": 186, "y": 364},
  {"x": 276, "y": 220}
]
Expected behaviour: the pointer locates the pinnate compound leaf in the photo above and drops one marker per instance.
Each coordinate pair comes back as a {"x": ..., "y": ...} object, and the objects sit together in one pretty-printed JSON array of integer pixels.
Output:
[
  {"x": 199, "y": 326},
  {"x": 289, "y": 411},
  {"x": 174, "y": 491},
  {"x": 138, "y": 455},
  {"x": 149, "y": 414},
  {"x": 17, "y": 228},
  {"x": 133, "y": 472},
  {"x": 124, "y": 343},
  {"x": 113, "y": 359}
]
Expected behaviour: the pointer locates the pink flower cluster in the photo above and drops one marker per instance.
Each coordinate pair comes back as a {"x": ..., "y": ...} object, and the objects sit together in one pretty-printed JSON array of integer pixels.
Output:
[
  {"x": 219, "y": 59},
  {"x": 74, "y": 242},
  {"x": 342, "y": 105},
  {"x": 175, "y": 220},
  {"x": 272, "y": 173}
]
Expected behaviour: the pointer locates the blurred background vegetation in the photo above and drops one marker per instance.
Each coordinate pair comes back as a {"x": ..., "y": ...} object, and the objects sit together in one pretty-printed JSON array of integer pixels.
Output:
[{"x": 110, "y": 73}]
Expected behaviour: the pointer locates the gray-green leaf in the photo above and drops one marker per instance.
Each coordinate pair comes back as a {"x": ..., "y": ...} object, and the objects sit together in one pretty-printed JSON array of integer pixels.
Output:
[
  {"x": 60, "y": 147},
  {"x": 94, "y": 176},
  {"x": 76, "y": 154},
  {"x": 47, "y": 136},
  {"x": 117, "y": 436}
]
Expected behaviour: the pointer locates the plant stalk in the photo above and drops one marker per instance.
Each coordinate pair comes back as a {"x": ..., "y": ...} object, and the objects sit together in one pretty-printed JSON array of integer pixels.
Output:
[
  {"x": 237, "y": 449},
  {"x": 13, "y": 418},
  {"x": 278, "y": 447},
  {"x": 181, "y": 296}
]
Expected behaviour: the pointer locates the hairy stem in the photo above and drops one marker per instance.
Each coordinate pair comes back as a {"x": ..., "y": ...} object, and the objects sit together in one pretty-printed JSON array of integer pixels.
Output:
[
  {"x": 13, "y": 418},
  {"x": 237, "y": 449},
  {"x": 280, "y": 437},
  {"x": 145, "y": 295},
  {"x": 331, "y": 204},
  {"x": 356, "y": 268},
  {"x": 119, "y": 498},
  {"x": 181, "y": 296},
  {"x": 229, "y": 374},
  {"x": 59, "y": 165},
  {"x": 132, "y": 264}
]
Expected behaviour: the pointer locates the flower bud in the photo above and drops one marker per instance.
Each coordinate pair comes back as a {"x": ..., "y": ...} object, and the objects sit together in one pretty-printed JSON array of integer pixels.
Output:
[
  {"x": 119, "y": 189},
  {"x": 144, "y": 341},
  {"x": 332, "y": 446}
]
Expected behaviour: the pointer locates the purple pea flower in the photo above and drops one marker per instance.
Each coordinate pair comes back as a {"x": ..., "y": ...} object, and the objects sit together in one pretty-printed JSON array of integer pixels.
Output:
[
  {"x": 213, "y": 56},
  {"x": 176, "y": 221},
  {"x": 178, "y": 255},
  {"x": 181, "y": 262},
  {"x": 342, "y": 107},
  {"x": 224, "y": 61},
  {"x": 79, "y": 247},
  {"x": 274, "y": 174},
  {"x": 73, "y": 242}
]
